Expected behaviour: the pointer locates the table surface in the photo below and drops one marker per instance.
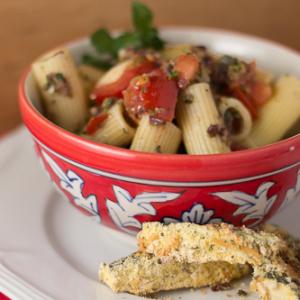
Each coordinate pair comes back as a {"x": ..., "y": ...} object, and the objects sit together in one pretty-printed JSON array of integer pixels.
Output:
[{"x": 30, "y": 27}]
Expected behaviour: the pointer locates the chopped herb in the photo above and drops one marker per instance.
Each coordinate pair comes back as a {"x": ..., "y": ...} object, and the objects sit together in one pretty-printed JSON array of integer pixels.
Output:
[
  {"x": 57, "y": 83},
  {"x": 235, "y": 71},
  {"x": 143, "y": 36},
  {"x": 171, "y": 73},
  {"x": 227, "y": 60},
  {"x": 282, "y": 278},
  {"x": 108, "y": 103}
]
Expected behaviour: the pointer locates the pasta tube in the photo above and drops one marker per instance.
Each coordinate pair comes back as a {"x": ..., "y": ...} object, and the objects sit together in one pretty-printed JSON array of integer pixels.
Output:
[
  {"x": 163, "y": 138},
  {"x": 63, "y": 94},
  {"x": 114, "y": 73},
  {"x": 278, "y": 115},
  {"x": 202, "y": 126},
  {"x": 89, "y": 77},
  {"x": 236, "y": 117},
  {"x": 115, "y": 130}
]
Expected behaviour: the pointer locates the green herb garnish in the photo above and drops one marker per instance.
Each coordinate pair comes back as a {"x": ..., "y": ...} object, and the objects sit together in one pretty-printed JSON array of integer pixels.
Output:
[
  {"x": 172, "y": 74},
  {"x": 142, "y": 21},
  {"x": 143, "y": 36},
  {"x": 96, "y": 62},
  {"x": 108, "y": 103}
]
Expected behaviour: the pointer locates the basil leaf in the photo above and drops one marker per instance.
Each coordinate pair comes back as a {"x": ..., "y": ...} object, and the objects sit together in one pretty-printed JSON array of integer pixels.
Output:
[
  {"x": 143, "y": 36},
  {"x": 96, "y": 62},
  {"x": 151, "y": 39},
  {"x": 103, "y": 42},
  {"x": 127, "y": 40},
  {"x": 141, "y": 16}
]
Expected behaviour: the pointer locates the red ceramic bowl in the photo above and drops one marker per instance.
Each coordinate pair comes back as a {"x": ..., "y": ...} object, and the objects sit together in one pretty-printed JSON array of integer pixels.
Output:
[{"x": 122, "y": 188}]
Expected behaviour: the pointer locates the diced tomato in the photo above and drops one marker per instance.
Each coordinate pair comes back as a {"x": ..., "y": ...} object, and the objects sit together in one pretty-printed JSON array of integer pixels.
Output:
[
  {"x": 260, "y": 92},
  {"x": 238, "y": 93},
  {"x": 95, "y": 123},
  {"x": 153, "y": 93},
  {"x": 114, "y": 89},
  {"x": 187, "y": 67}
]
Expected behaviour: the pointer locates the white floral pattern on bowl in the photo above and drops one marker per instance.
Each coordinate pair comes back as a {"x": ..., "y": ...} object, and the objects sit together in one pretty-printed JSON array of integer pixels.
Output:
[
  {"x": 292, "y": 193},
  {"x": 124, "y": 211},
  {"x": 125, "y": 206},
  {"x": 73, "y": 184},
  {"x": 254, "y": 207},
  {"x": 197, "y": 214}
]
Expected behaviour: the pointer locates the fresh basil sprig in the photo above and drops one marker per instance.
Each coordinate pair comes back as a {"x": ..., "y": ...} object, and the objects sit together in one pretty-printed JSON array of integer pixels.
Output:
[
  {"x": 142, "y": 18},
  {"x": 96, "y": 62},
  {"x": 144, "y": 35}
]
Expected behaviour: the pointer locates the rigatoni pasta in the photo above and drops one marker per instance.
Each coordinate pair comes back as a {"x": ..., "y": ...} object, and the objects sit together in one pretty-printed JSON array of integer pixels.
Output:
[
  {"x": 147, "y": 95},
  {"x": 202, "y": 126},
  {"x": 232, "y": 110},
  {"x": 162, "y": 138},
  {"x": 115, "y": 130},
  {"x": 114, "y": 73},
  {"x": 59, "y": 82},
  {"x": 89, "y": 77},
  {"x": 278, "y": 115}
]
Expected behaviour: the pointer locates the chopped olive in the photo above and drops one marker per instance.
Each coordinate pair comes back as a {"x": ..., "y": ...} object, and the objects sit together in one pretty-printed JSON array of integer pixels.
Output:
[
  {"x": 57, "y": 83},
  {"x": 233, "y": 121},
  {"x": 215, "y": 129}
]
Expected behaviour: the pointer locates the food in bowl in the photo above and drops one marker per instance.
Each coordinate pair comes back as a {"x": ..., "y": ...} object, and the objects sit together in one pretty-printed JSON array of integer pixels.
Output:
[
  {"x": 216, "y": 249},
  {"x": 123, "y": 189},
  {"x": 166, "y": 98}
]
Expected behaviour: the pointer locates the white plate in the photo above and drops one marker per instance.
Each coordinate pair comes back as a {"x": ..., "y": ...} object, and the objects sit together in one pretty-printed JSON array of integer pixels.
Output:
[{"x": 48, "y": 250}]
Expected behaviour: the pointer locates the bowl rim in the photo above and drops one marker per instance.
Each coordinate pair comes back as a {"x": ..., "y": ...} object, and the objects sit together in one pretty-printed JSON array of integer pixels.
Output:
[{"x": 177, "y": 159}]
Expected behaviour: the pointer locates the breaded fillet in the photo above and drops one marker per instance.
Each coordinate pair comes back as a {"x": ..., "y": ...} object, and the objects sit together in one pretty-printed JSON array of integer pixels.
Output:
[
  {"x": 292, "y": 242},
  {"x": 143, "y": 273},
  {"x": 281, "y": 289},
  {"x": 274, "y": 261}
]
